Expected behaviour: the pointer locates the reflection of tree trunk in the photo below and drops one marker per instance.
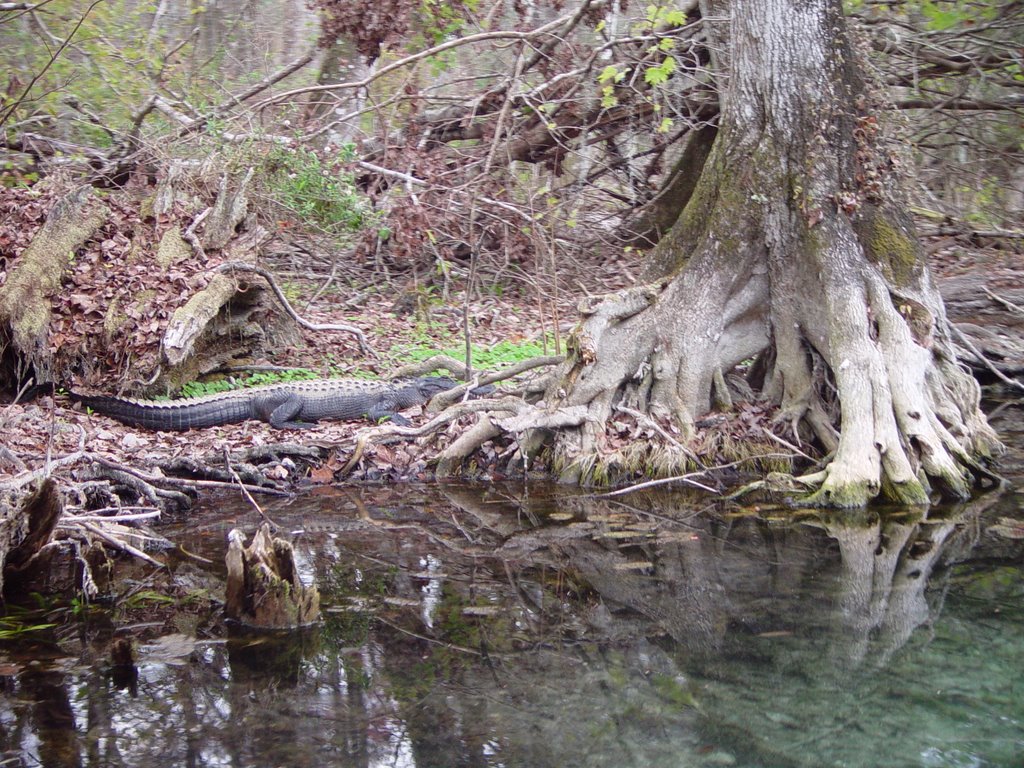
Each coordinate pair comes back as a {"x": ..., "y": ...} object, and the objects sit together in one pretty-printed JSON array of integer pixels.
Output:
[
  {"x": 908, "y": 609},
  {"x": 684, "y": 596},
  {"x": 882, "y": 582},
  {"x": 53, "y": 718},
  {"x": 869, "y": 557},
  {"x": 102, "y": 743}
]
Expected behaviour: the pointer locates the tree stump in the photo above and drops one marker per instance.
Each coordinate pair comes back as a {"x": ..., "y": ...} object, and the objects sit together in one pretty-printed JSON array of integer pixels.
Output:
[
  {"x": 26, "y": 529},
  {"x": 264, "y": 589}
]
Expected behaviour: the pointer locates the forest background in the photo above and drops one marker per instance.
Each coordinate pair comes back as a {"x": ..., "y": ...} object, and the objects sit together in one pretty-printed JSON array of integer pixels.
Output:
[{"x": 415, "y": 176}]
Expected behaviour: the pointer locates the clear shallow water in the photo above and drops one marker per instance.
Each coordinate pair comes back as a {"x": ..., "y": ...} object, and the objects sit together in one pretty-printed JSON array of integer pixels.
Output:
[{"x": 519, "y": 627}]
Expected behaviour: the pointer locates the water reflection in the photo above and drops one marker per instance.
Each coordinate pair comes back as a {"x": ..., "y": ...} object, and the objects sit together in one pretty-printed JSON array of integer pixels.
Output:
[{"x": 475, "y": 627}]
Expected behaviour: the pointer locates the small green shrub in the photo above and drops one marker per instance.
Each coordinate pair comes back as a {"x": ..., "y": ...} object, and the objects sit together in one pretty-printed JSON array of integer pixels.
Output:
[
  {"x": 202, "y": 388},
  {"x": 317, "y": 191},
  {"x": 500, "y": 355}
]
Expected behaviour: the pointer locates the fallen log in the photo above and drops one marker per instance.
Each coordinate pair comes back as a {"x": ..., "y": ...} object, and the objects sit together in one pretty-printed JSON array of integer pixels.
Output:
[{"x": 25, "y": 299}]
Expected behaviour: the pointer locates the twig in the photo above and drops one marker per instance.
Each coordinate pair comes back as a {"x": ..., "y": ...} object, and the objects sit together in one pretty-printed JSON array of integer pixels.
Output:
[
  {"x": 410, "y": 179},
  {"x": 118, "y": 544},
  {"x": 248, "y": 496},
  {"x": 786, "y": 443},
  {"x": 425, "y": 638},
  {"x": 235, "y": 266},
  {"x": 1005, "y": 302},
  {"x": 546, "y": 29},
  {"x": 459, "y": 369},
  {"x": 662, "y": 481},
  {"x": 97, "y": 517},
  {"x": 190, "y": 237},
  {"x": 1013, "y": 234}
]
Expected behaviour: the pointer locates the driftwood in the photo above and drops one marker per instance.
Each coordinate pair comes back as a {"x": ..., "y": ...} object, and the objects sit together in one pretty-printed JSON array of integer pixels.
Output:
[
  {"x": 992, "y": 319},
  {"x": 190, "y": 321},
  {"x": 264, "y": 589}
]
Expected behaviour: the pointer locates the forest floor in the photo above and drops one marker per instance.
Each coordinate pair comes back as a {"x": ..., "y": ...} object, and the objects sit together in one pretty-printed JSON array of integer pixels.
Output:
[{"x": 396, "y": 324}]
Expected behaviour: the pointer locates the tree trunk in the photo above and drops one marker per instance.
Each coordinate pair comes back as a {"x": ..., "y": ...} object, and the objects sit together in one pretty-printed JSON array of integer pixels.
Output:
[{"x": 794, "y": 247}]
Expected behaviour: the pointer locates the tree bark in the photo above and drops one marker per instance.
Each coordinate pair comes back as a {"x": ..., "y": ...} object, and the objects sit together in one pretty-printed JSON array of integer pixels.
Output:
[{"x": 794, "y": 246}]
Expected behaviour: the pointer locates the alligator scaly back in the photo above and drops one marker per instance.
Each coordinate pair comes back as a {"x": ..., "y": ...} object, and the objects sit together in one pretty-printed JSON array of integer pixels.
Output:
[{"x": 290, "y": 405}]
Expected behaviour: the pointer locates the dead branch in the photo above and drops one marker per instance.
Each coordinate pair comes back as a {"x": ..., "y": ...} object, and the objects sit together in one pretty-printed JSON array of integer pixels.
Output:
[
  {"x": 177, "y": 482},
  {"x": 546, "y": 29},
  {"x": 1013, "y": 308},
  {"x": 984, "y": 360},
  {"x": 235, "y": 266},
  {"x": 466, "y": 445},
  {"x": 120, "y": 544},
  {"x": 389, "y": 432},
  {"x": 687, "y": 478},
  {"x": 246, "y": 494}
]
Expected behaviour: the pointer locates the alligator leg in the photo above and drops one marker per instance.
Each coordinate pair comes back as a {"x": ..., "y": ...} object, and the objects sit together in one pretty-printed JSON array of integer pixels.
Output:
[
  {"x": 284, "y": 415},
  {"x": 384, "y": 410}
]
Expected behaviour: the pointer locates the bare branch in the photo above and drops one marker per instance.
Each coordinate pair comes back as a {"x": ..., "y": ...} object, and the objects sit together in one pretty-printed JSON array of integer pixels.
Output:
[
  {"x": 6, "y": 114},
  {"x": 541, "y": 31}
]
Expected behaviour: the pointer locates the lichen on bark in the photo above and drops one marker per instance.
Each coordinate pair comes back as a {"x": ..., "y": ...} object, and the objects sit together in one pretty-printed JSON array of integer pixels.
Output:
[{"x": 25, "y": 299}]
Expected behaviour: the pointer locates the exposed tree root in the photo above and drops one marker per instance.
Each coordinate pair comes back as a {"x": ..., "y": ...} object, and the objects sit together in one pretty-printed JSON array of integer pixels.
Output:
[
  {"x": 794, "y": 248},
  {"x": 909, "y": 425}
]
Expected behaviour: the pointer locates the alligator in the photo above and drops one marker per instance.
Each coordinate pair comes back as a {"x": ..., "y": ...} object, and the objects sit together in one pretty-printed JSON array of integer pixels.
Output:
[{"x": 291, "y": 405}]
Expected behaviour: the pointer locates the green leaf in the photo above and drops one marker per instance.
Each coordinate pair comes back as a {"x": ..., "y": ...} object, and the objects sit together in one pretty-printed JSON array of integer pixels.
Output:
[
  {"x": 611, "y": 74},
  {"x": 659, "y": 74},
  {"x": 675, "y": 18},
  {"x": 942, "y": 18}
]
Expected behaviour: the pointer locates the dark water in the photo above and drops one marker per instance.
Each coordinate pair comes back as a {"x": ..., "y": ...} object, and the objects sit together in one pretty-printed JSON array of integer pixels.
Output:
[{"x": 528, "y": 627}]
